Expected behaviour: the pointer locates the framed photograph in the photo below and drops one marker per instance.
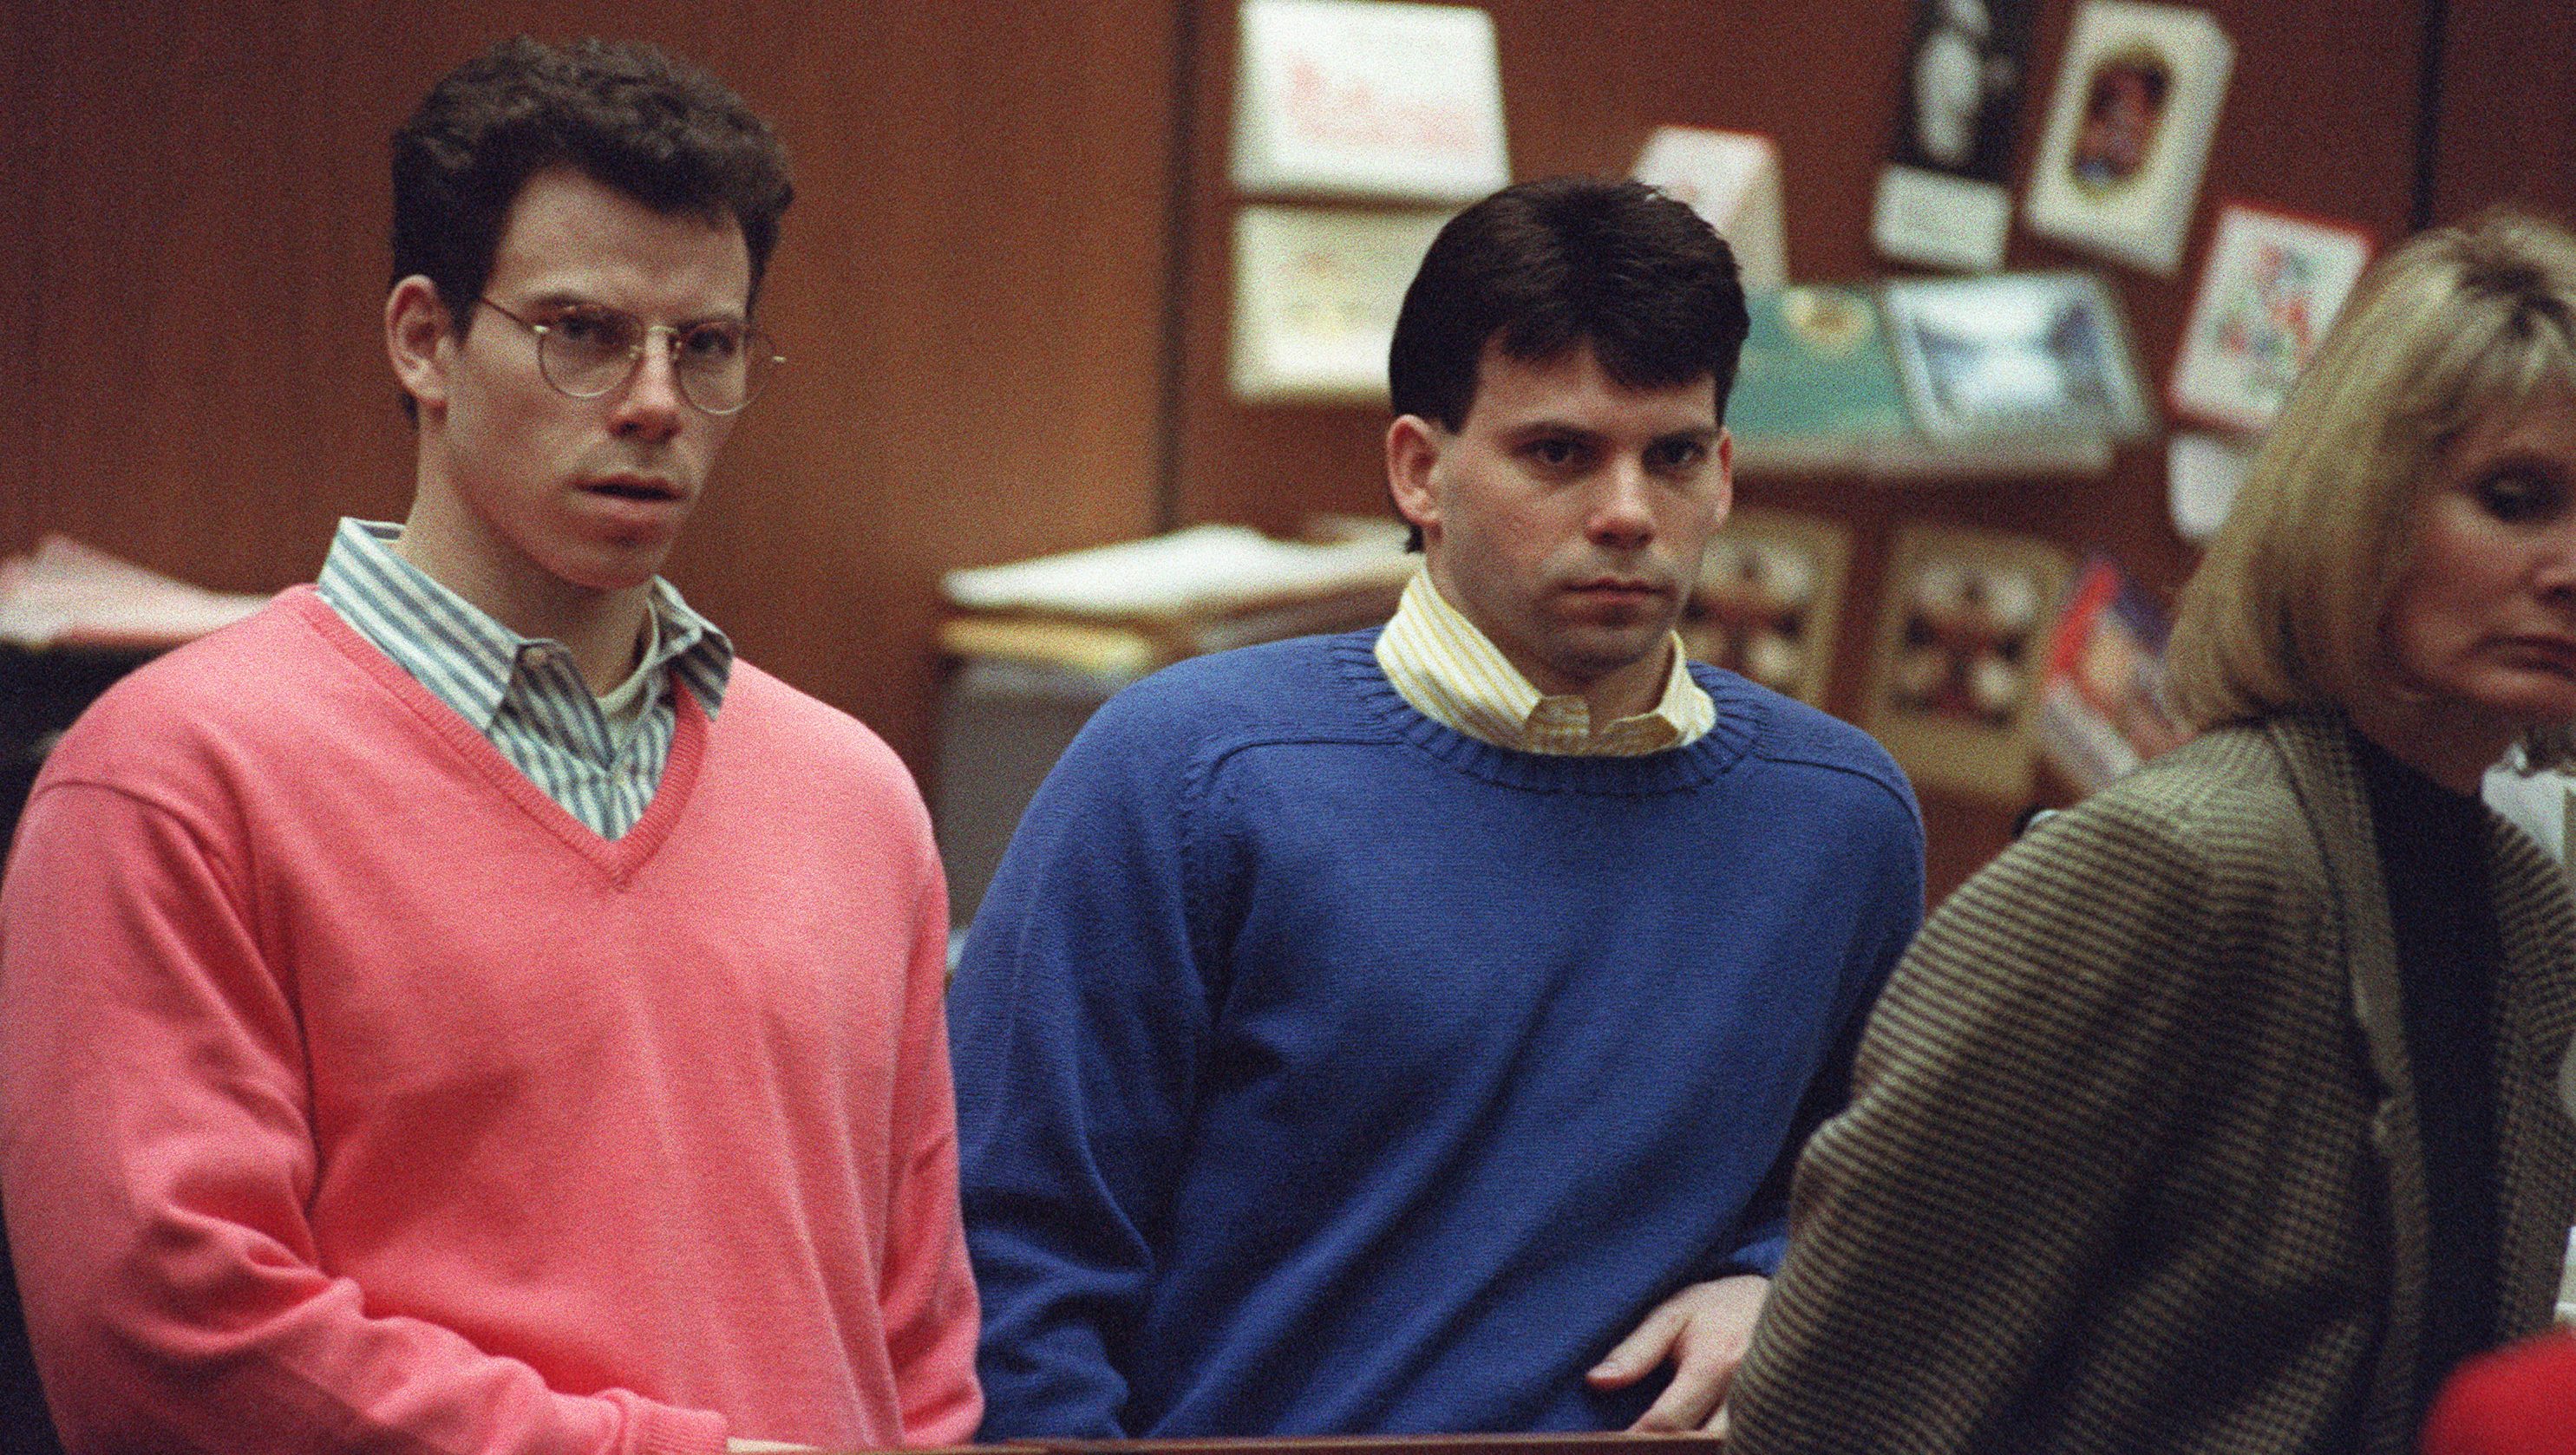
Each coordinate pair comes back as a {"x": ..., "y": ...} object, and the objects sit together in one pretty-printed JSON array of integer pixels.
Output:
[
  {"x": 1955, "y": 672},
  {"x": 1731, "y": 178},
  {"x": 1941, "y": 199},
  {"x": 2015, "y": 354},
  {"x": 2129, "y": 127},
  {"x": 2271, "y": 287},
  {"x": 1316, "y": 292},
  {"x": 1374, "y": 98},
  {"x": 2102, "y": 704},
  {"x": 1769, "y": 596}
]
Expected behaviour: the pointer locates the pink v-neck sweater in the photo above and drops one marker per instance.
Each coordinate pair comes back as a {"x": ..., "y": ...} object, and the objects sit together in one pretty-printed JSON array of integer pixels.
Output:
[{"x": 355, "y": 1096}]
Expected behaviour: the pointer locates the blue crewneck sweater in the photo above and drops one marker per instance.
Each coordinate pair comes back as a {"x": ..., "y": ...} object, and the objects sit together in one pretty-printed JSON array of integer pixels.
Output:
[{"x": 1321, "y": 1069}]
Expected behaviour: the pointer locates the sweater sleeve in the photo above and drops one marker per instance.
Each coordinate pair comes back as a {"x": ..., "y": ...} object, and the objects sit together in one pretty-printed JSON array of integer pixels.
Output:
[
  {"x": 1080, "y": 1012},
  {"x": 1878, "y": 938},
  {"x": 2010, "y": 1091},
  {"x": 158, "y": 1157},
  {"x": 928, "y": 1292}
]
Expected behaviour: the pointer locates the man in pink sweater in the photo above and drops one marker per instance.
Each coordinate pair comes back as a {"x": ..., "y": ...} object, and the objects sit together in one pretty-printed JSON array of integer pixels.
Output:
[{"x": 461, "y": 1008}]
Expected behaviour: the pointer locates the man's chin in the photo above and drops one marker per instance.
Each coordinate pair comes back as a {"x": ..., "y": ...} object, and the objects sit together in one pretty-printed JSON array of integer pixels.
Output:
[
  {"x": 610, "y": 575},
  {"x": 1593, "y": 655}
]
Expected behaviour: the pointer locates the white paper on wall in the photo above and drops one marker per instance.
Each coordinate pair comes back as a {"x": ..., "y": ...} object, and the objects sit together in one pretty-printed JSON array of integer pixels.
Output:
[
  {"x": 2202, "y": 476},
  {"x": 1939, "y": 220},
  {"x": 1316, "y": 291},
  {"x": 1368, "y": 98},
  {"x": 1732, "y": 178}
]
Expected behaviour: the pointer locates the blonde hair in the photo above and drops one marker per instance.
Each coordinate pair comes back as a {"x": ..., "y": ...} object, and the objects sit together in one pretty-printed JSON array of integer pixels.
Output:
[{"x": 2458, "y": 325}]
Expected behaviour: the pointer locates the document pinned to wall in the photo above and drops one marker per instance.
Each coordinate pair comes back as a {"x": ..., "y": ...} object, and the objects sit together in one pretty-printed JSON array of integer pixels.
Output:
[
  {"x": 1368, "y": 98},
  {"x": 2203, "y": 472},
  {"x": 2271, "y": 287},
  {"x": 1941, "y": 199},
  {"x": 1732, "y": 178},
  {"x": 1316, "y": 291}
]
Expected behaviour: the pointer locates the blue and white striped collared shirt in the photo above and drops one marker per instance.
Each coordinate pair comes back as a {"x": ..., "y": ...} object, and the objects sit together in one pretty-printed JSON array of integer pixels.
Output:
[{"x": 524, "y": 694}]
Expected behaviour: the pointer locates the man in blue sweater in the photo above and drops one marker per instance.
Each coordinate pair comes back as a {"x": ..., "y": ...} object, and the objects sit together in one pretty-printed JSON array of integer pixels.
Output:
[{"x": 1412, "y": 1030}]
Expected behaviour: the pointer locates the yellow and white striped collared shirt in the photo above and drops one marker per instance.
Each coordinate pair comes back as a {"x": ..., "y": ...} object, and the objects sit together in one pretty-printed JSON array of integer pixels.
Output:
[{"x": 1453, "y": 674}]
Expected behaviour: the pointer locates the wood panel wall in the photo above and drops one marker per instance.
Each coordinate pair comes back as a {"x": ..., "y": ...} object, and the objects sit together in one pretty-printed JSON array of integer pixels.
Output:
[
  {"x": 970, "y": 290},
  {"x": 2505, "y": 124},
  {"x": 976, "y": 282}
]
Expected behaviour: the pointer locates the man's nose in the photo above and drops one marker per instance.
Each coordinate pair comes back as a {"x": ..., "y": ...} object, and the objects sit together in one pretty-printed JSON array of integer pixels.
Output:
[
  {"x": 1623, "y": 513},
  {"x": 652, "y": 404}
]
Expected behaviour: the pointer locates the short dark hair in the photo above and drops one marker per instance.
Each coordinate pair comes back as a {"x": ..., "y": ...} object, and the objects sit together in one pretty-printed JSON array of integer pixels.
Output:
[
  {"x": 625, "y": 114},
  {"x": 1544, "y": 267}
]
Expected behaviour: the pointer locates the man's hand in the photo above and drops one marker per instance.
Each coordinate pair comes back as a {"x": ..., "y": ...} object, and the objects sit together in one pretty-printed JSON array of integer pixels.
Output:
[{"x": 1702, "y": 1332}]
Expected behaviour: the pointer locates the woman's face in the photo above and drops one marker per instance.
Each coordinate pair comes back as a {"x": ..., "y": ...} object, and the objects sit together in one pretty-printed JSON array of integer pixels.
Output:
[{"x": 2484, "y": 621}]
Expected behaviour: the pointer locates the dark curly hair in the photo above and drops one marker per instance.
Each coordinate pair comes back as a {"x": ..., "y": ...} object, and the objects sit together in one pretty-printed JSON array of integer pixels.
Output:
[{"x": 626, "y": 114}]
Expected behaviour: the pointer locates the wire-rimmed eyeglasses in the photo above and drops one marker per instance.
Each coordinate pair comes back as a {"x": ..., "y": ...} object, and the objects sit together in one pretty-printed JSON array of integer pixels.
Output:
[{"x": 587, "y": 350}]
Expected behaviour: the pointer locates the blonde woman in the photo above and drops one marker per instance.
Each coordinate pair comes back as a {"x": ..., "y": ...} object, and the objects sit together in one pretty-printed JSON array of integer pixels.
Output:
[{"x": 2217, "y": 1115}]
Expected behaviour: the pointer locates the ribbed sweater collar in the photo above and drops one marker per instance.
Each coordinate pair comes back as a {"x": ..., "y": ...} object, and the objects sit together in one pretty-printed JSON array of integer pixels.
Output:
[{"x": 1740, "y": 721}]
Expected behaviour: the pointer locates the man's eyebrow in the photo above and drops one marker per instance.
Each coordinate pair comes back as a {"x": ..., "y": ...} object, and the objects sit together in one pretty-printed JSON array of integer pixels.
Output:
[
  {"x": 1530, "y": 429},
  {"x": 568, "y": 298}
]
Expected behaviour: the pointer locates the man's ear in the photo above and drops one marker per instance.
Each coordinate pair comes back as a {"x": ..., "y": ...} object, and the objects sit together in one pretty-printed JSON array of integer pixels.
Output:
[
  {"x": 418, "y": 332},
  {"x": 1412, "y": 450}
]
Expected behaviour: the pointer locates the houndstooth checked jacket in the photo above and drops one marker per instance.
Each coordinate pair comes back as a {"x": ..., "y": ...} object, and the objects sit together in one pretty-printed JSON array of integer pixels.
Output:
[{"x": 2131, "y": 1161}]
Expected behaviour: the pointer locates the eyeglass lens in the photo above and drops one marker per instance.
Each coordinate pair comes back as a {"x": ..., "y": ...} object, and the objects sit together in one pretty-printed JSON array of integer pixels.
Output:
[{"x": 586, "y": 352}]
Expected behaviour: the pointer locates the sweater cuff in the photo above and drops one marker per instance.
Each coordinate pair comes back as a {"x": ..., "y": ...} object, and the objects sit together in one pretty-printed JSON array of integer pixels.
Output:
[
  {"x": 1760, "y": 1256},
  {"x": 662, "y": 1429}
]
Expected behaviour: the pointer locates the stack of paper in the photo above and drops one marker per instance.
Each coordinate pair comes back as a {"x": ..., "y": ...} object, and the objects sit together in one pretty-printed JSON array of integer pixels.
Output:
[
  {"x": 1137, "y": 604},
  {"x": 66, "y": 594}
]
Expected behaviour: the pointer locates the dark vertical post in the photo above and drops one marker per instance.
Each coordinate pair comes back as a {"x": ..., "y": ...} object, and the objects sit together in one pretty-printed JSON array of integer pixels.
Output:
[
  {"x": 1177, "y": 217},
  {"x": 2428, "y": 110}
]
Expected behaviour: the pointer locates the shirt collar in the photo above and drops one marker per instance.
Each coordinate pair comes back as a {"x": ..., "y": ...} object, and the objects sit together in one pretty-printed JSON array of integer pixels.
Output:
[
  {"x": 462, "y": 653},
  {"x": 1452, "y": 673}
]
